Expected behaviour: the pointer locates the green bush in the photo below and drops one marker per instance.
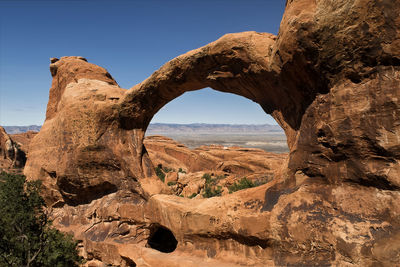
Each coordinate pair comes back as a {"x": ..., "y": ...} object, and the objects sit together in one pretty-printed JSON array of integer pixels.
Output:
[
  {"x": 160, "y": 173},
  {"x": 167, "y": 170},
  {"x": 210, "y": 189},
  {"x": 182, "y": 171},
  {"x": 242, "y": 184},
  {"x": 26, "y": 235},
  {"x": 193, "y": 195},
  {"x": 208, "y": 178},
  {"x": 170, "y": 183}
]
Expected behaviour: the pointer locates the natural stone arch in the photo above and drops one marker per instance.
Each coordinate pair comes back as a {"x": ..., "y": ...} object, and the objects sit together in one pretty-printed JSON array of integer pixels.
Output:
[
  {"x": 236, "y": 63},
  {"x": 294, "y": 77},
  {"x": 335, "y": 70},
  {"x": 240, "y": 63}
]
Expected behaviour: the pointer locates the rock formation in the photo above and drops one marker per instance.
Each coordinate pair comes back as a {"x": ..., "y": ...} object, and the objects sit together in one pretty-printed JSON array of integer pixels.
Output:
[
  {"x": 23, "y": 139},
  {"x": 235, "y": 160},
  {"x": 184, "y": 169},
  {"x": 331, "y": 79},
  {"x": 11, "y": 154}
]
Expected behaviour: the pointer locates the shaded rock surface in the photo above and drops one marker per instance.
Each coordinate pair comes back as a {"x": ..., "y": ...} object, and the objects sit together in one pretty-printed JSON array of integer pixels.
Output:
[
  {"x": 23, "y": 139},
  {"x": 11, "y": 154},
  {"x": 331, "y": 79}
]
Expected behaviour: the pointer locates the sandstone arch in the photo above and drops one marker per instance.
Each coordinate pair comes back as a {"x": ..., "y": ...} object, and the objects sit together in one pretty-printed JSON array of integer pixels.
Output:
[
  {"x": 331, "y": 78},
  {"x": 236, "y": 63}
]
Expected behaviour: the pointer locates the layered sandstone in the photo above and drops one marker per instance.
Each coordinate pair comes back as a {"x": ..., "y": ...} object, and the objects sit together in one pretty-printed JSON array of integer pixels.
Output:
[
  {"x": 23, "y": 140},
  {"x": 184, "y": 168},
  {"x": 235, "y": 160},
  {"x": 331, "y": 79},
  {"x": 11, "y": 154}
]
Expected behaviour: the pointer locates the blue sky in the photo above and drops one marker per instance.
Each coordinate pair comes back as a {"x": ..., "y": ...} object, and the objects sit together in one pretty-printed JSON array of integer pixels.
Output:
[{"x": 131, "y": 39}]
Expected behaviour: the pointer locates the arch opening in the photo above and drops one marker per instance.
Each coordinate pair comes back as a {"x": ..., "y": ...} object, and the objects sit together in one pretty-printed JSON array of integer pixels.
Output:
[
  {"x": 210, "y": 117},
  {"x": 200, "y": 154}
]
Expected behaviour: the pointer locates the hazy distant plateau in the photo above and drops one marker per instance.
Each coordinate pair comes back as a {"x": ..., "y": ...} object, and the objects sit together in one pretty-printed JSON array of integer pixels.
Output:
[{"x": 268, "y": 137}]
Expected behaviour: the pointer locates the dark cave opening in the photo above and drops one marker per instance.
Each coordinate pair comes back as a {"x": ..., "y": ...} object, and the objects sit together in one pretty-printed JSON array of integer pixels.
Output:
[{"x": 162, "y": 239}]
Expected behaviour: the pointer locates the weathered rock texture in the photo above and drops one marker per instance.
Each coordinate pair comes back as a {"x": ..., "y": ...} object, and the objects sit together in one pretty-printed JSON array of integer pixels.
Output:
[
  {"x": 235, "y": 160},
  {"x": 11, "y": 154},
  {"x": 184, "y": 168},
  {"x": 23, "y": 140},
  {"x": 331, "y": 79}
]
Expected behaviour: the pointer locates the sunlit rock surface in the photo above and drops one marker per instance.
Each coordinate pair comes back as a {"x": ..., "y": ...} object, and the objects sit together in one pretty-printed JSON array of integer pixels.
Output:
[{"x": 331, "y": 79}]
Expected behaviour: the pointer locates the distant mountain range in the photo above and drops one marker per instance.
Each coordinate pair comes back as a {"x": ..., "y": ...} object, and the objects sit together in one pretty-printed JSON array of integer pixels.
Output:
[
  {"x": 173, "y": 128},
  {"x": 204, "y": 128},
  {"x": 21, "y": 129}
]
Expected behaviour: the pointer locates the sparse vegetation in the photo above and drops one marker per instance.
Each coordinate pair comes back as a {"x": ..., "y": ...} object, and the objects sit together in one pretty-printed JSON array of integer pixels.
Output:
[
  {"x": 212, "y": 191},
  {"x": 182, "y": 171},
  {"x": 210, "y": 188},
  {"x": 242, "y": 184},
  {"x": 26, "y": 235},
  {"x": 171, "y": 183},
  {"x": 208, "y": 178},
  {"x": 193, "y": 195},
  {"x": 160, "y": 173},
  {"x": 167, "y": 170}
]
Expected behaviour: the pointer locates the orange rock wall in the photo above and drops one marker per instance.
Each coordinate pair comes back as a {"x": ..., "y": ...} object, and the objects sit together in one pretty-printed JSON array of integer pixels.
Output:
[{"x": 331, "y": 79}]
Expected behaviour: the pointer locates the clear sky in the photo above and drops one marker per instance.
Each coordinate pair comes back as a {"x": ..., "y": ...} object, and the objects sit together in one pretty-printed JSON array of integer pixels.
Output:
[{"x": 131, "y": 39}]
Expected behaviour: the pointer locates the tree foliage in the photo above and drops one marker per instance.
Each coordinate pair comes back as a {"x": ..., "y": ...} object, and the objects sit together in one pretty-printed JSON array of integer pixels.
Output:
[{"x": 26, "y": 235}]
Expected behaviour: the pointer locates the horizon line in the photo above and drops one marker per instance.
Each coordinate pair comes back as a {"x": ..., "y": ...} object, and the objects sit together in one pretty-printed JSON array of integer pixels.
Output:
[{"x": 175, "y": 123}]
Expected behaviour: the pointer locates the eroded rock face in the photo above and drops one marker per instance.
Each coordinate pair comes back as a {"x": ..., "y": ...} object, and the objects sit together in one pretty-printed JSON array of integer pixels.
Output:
[
  {"x": 234, "y": 160},
  {"x": 331, "y": 79},
  {"x": 184, "y": 169},
  {"x": 23, "y": 139},
  {"x": 12, "y": 156}
]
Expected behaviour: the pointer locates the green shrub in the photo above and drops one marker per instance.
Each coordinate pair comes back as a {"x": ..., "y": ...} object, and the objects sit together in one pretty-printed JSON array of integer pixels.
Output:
[
  {"x": 242, "y": 184},
  {"x": 160, "y": 173},
  {"x": 167, "y": 170},
  {"x": 193, "y": 195},
  {"x": 170, "y": 183},
  {"x": 208, "y": 178},
  {"x": 211, "y": 191},
  {"x": 219, "y": 177},
  {"x": 26, "y": 235},
  {"x": 182, "y": 171}
]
